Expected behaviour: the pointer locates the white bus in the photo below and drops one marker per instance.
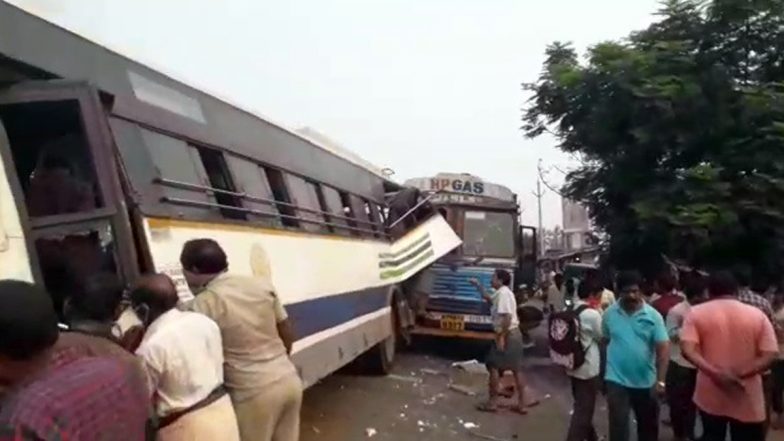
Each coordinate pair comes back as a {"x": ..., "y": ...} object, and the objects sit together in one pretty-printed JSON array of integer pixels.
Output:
[{"x": 108, "y": 165}]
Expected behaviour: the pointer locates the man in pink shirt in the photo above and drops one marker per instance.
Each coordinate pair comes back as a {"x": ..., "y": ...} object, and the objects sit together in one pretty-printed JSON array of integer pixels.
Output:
[{"x": 731, "y": 344}]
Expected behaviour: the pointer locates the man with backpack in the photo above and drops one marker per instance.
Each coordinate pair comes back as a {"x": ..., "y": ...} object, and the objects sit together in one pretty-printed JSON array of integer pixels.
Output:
[{"x": 575, "y": 338}]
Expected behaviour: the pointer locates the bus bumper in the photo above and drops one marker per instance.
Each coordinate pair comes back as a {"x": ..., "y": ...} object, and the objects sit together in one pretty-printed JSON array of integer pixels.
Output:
[{"x": 465, "y": 334}]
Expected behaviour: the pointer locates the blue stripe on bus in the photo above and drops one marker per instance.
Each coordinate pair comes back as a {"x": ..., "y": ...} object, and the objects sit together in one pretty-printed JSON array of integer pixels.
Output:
[{"x": 312, "y": 316}]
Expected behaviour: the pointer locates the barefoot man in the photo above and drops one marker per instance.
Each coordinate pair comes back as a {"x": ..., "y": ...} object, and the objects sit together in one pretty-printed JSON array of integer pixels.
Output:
[{"x": 507, "y": 351}]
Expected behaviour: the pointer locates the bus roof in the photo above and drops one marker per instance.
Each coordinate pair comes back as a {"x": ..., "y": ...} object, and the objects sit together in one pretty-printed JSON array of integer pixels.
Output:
[{"x": 31, "y": 48}]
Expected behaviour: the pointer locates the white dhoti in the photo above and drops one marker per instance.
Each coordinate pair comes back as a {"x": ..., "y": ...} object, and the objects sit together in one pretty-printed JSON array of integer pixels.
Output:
[{"x": 216, "y": 421}]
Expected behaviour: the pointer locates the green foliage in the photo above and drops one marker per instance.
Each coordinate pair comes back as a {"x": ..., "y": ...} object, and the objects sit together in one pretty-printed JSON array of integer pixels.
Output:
[{"x": 681, "y": 127}]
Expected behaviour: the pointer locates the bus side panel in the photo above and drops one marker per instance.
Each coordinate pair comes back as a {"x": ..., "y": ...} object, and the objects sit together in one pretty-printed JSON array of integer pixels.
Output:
[
  {"x": 331, "y": 286},
  {"x": 14, "y": 257}
]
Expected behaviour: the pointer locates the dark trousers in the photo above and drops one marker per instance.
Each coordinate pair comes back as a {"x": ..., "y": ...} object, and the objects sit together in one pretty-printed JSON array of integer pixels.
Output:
[
  {"x": 715, "y": 429},
  {"x": 777, "y": 389},
  {"x": 621, "y": 401},
  {"x": 584, "y": 394},
  {"x": 681, "y": 382}
]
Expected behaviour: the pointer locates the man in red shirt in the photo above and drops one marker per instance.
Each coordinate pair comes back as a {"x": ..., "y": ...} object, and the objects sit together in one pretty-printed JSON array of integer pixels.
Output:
[
  {"x": 669, "y": 296},
  {"x": 89, "y": 399}
]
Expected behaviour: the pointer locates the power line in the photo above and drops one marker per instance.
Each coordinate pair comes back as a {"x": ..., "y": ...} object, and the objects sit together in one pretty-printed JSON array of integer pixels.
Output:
[{"x": 544, "y": 181}]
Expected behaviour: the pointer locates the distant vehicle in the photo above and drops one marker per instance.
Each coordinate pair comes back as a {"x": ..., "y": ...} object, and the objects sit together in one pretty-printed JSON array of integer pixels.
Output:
[
  {"x": 107, "y": 165},
  {"x": 486, "y": 217}
]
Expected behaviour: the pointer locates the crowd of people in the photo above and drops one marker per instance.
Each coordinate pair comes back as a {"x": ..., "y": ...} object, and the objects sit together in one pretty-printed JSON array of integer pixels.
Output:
[
  {"x": 215, "y": 368},
  {"x": 218, "y": 367},
  {"x": 709, "y": 346}
]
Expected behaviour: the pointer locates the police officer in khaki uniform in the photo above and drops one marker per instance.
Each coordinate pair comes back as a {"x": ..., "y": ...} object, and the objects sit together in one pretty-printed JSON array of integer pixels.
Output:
[{"x": 257, "y": 338}]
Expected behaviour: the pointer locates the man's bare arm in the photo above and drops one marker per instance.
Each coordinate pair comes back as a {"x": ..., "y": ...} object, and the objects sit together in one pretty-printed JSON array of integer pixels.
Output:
[
  {"x": 482, "y": 291},
  {"x": 662, "y": 360},
  {"x": 286, "y": 333},
  {"x": 760, "y": 364}
]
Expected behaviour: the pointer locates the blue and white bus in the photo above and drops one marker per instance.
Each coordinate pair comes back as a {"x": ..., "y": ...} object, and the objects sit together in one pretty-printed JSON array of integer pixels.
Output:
[{"x": 109, "y": 166}]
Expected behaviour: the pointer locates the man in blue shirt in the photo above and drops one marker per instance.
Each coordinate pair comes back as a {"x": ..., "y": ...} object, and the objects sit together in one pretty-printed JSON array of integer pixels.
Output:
[{"x": 637, "y": 357}]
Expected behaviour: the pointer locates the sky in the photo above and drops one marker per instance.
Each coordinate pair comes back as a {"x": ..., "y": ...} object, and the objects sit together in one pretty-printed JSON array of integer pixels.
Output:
[{"x": 419, "y": 86}]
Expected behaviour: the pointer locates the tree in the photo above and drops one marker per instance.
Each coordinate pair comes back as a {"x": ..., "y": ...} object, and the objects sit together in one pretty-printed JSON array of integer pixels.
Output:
[{"x": 680, "y": 127}]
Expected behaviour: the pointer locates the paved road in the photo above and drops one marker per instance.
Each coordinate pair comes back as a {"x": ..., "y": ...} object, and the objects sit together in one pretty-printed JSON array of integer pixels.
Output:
[{"x": 414, "y": 404}]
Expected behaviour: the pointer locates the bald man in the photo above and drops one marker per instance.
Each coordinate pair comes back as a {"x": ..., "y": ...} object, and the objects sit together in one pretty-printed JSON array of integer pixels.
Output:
[{"x": 182, "y": 354}]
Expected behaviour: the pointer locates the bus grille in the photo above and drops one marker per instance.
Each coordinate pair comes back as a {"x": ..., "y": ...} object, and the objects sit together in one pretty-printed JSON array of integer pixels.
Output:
[
  {"x": 458, "y": 306},
  {"x": 451, "y": 291}
]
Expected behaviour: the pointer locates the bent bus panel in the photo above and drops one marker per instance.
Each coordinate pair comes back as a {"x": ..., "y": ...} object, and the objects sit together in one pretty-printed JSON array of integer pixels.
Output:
[
  {"x": 109, "y": 166},
  {"x": 485, "y": 216}
]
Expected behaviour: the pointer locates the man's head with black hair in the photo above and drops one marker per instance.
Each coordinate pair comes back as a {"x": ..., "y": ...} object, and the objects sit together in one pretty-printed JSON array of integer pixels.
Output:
[
  {"x": 592, "y": 287},
  {"x": 153, "y": 295},
  {"x": 722, "y": 284},
  {"x": 501, "y": 277},
  {"x": 28, "y": 330},
  {"x": 741, "y": 274},
  {"x": 666, "y": 283},
  {"x": 97, "y": 298},
  {"x": 695, "y": 288},
  {"x": 630, "y": 296},
  {"x": 558, "y": 279},
  {"x": 202, "y": 260}
]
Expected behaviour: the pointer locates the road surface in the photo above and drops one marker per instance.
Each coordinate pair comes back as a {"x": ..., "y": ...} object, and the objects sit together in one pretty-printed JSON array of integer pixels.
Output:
[{"x": 417, "y": 403}]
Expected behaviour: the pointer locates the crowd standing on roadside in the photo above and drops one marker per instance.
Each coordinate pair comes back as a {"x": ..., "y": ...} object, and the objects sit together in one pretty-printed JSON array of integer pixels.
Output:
[
  {"x": 711, "y": 346},
  {"x": 216, "y": 368}
]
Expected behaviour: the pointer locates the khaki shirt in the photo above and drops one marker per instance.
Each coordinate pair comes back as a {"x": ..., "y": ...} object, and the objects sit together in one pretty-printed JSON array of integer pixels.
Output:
[{"x": 247, "y": 312}]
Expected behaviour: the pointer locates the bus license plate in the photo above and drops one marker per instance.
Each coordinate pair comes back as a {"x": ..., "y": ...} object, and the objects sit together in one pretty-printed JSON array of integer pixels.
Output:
[{"x": 453, "y": 322}]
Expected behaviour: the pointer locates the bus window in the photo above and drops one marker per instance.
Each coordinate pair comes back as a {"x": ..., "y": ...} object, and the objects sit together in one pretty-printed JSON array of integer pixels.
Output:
[
  {"x": 52, "y": 157},
  {"x": 358, "y": 208},
  {"x": 278, "y": 186},
  {"x": 250, "y": 179},
  {"x": 371, "y": 211},
  {"x": 220, "y": 179},
  {"x": 335, "y": 206},
  {"x": 304, "y": 195},
  {"x": 348, "y": 211},
  {"x": 68, "y": 258},
  {"x": 488, "y": 233},
  {"x": 322, "y": 203},
  {"x": 174, "y": 160}
]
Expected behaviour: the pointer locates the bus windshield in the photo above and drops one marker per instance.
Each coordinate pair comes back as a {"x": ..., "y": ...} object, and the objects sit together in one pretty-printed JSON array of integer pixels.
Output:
[{"x": 489, "y": 233}]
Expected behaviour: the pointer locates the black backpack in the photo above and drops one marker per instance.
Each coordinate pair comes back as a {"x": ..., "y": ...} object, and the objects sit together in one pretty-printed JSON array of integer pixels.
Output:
[{"x": 566, "y": 348}]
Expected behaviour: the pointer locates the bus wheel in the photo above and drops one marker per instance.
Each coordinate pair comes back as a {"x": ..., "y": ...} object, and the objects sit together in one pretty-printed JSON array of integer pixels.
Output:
[{"x": 380, "y": 358}]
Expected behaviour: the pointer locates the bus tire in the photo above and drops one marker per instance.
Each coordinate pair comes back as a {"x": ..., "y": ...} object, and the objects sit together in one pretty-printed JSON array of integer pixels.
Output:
[{"x": 380, "y": 359}]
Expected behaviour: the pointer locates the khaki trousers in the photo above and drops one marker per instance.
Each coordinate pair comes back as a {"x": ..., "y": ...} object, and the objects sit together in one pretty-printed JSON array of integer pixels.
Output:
[
  {"x": 214, "y": 422},
  {"x": 273, "y": 414}
]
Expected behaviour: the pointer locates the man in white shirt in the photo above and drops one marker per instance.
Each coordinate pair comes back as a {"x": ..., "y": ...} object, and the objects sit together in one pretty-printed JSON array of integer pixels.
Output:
[
  {"x": 682, "y": 375},
  {"x": 507, "y": 351},
  {"x": 585, "y": 378},
  {"x": 182, "y": 355}
]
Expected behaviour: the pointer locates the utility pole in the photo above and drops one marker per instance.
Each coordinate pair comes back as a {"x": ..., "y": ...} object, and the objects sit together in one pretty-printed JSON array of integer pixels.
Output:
[{"x": 539, "y": 193}]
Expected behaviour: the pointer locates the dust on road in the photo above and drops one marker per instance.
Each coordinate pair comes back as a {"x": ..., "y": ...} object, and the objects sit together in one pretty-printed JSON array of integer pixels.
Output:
[
  {"x": 414, "y": 404},
  {"x": 417, "y": 403}
]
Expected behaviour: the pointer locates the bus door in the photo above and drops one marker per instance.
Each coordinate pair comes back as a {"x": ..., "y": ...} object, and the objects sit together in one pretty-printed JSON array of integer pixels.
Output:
[
  {"x": 14, "y": 256},
  {"x": 58, "y": 159}
]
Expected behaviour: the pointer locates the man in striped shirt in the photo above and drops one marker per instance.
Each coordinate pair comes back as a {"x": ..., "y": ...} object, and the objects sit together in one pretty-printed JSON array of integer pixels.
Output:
[{"x": 89, "y": 399}]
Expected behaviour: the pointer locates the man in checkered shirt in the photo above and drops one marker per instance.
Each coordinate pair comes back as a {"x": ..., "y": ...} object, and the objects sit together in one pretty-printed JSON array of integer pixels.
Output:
[{"x": 90, "y": 399}]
